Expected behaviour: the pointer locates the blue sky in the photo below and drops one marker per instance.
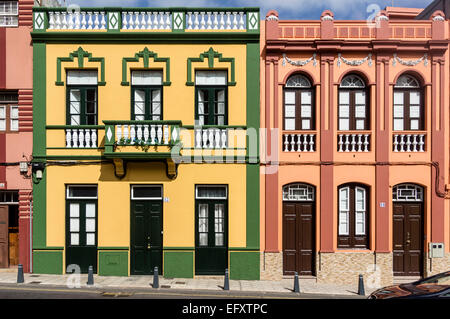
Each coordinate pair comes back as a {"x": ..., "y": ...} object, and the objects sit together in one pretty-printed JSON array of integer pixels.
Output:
[{"x": 288, "y": 9}]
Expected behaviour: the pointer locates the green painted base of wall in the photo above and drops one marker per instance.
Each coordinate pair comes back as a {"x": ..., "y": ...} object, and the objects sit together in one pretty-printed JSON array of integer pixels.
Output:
[
  {"x": 48, "y": 262},
  {"x": 244, "y": 265},
  {"x": 113, "y": 263},
  {"x": 178, "y": 264}
]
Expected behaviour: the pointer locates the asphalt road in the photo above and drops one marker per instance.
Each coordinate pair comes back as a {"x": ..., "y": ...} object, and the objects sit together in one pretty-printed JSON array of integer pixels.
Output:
[{"x": 36, "y": 291}]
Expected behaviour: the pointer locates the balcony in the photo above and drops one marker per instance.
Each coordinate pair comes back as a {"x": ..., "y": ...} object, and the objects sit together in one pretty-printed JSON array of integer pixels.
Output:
[
  {"x": 146, "y": 19},
  {"x": 354, "y": 142},
  {"x": 407, "y": 141},
  {"x": 299, "y": 141}
]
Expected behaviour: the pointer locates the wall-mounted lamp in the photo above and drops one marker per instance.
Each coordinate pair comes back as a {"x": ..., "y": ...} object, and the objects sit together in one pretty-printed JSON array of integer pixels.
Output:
[{"x": 38, "y": 169}]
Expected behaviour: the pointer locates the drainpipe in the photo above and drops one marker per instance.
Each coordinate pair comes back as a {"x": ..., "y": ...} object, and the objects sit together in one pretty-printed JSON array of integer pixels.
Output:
[{"x": 31, "y": 238}]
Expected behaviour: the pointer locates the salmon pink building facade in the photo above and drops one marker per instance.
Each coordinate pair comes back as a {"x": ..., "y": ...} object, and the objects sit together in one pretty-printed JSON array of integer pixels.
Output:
[
  {"x": 355, "y": 173},
  {"x": 16, "y": 122}
]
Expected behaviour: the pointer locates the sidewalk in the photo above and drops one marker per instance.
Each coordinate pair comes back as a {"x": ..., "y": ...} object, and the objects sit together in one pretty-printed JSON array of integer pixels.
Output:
[{"x": 282, "y": 286}]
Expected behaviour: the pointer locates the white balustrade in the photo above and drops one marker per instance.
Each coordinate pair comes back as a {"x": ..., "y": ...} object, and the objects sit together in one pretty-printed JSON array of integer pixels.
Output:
[
  {"x": 216, "y": 20},
  {"x": 211, "y": 138},
  {"x": 151, "y": 134},
  {"x": 146, "y": 20},
  {"x": 353, "y": 142},
  {"x": 412, "y": 143},
  {"x": 90, "y": 20},
  {"x": 81, "y": 138},
  {"x": 299, "y": 142}
]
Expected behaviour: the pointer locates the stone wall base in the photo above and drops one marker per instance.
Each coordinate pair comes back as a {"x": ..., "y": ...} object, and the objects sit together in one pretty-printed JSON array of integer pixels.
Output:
[
  {"x": 344, "y": 268},
  {"x": 271, "y": 266},
  {"x": 435, "y": 266}
]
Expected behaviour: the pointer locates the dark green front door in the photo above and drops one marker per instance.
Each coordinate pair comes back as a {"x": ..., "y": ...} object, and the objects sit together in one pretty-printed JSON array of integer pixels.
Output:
[
  {"x": 211, "y": 242},
  {"x": 81, "y": 230},
  {"x": 146, "y": 236}
]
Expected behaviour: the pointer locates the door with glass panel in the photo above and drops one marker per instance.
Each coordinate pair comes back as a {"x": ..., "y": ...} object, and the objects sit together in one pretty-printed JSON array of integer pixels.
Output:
[
  {"x": 211, "y": 98},
  {"x": 146, "y": 96},
  {"x": 81, "y": 227},
  {"x": 146, "y": 229},
  {"x": 211, "y": 229},
  {"x": 82, "y": 98}
]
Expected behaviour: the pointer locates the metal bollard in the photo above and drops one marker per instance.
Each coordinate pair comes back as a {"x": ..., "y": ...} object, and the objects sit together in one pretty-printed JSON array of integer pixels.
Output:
[
  {"x": 20, "y": 279},
  {"x": 361, "y": 291},
  {"x": 226, "y": 285},
  {"x": 155, "y": 278},
  {"x": 296, "y": 283},
  {"x": 90, "y": 281}
]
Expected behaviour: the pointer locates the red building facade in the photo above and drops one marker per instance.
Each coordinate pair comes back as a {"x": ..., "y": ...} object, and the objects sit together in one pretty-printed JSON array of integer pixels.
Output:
[
  {"x": 16, "y": 121},
  {"x": 355, "y": 172}
]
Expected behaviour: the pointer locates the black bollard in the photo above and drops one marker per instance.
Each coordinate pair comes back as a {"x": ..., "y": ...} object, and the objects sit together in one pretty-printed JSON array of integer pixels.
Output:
[
  {"x": 361, "y": 291},
  {"x": 296, "y": 283},
  {"x": 155, "y": 278},
  {"x": 226, "y": 285},
  {"x": 20, "y": 279},
  {"x": 90, "y": 281}
]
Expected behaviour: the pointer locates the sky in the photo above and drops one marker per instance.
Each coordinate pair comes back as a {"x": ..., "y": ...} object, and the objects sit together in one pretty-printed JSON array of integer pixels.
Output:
[{"x": 287, "y": 9}]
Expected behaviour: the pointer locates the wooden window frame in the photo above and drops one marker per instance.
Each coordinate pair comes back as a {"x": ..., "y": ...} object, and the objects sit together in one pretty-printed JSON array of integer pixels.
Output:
[
  {"x": 298, "y": 109},
  {"x": 212, "y": 116},
  {"x": 148, "y": 103},
  {"x": 406, "y": 108},
  {"x": 83, "y": 103},
  {"x": 352, "y": 106},
  {"x": 353, "y": 241}
]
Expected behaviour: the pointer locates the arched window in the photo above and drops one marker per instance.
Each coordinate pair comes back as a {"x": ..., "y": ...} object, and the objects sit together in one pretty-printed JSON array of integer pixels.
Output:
[
  {"x": 298, "y": 192},
  {"x": 353, "y": 218},
  {"x": 299, "y": 108},
  {"x": 353, "y": 104},
  {"x": 408, "y": 104}
]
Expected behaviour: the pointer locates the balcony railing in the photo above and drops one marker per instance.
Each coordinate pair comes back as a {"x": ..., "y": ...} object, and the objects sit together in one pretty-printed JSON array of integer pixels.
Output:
[
  {"x": 299, "y": 141},
  {"x": 354, "y": 142},
  {"x": 409, "y": 142},
  {"x": 81, "y": 138},
  {"x": 150, "y": 19}
]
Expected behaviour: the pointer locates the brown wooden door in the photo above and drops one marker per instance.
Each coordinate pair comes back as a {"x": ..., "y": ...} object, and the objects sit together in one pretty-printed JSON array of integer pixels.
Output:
[
  {"x": 298, "y": 238},
  {"x": 4, "y": 233},
  {"x": 408, "y": 239}
]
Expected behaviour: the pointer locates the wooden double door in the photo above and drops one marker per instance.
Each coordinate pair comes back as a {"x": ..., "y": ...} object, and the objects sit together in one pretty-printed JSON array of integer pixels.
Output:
[
  {"x": 299, "y": 238},
  {"x": 146, "y": 236},
  {"x": 408, "y": 238}
]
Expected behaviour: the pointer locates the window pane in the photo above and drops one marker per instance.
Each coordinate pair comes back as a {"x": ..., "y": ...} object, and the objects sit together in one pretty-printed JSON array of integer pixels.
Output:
[
  {"x": 90, "y": 224},
  {"x": 90, "y": 210},
  {"x": 306, "y": 124},
  {"x": 343, "y": 223},
  {"x": 398, "y": 110},
  {"x": 306, "y": 110},
  {"x": 344, "y": 198},
  {"x": 219, "y": 239},
  {"x": 2, "y": 125},
  {"x": 156, "y": 108},
  {"x": 344, "y": 124},
  {"x": 211, "y": 192},
  {"x": 203, "y": 225},
  {"x": 360, "y": 223},
  {"x": 398, "y": 124},
  {"x": 220, "y": 120},
  {"x": 414, "y": 125},
  {"x": 360, "y": 199},
  {"x": 2, "y": 112},
  {"x": 221, "y": 96},
  {"x": 74, "y": 225},
  {"x": 74, "y": 210},
  {"x": 139, "y": 95},
  {"x": 289, "y": 97},
  {"x": 74, "y": 120},
  {"x": 203, "y": 239},
  {"x": 91, "y": 107},
  {"x": 14, "y": 125},
  {"x": 344, "y": 111},
  {"x": 360, "y": 124},
  {"x": 147, "y": 192},
  {"x": 414, "y": 111},
  {"x": 83, "y": 191},
  {"x": 289, "y": 111},
  {"x": 139, "y": 108},
  {"x": 203, "y": 210},
  {"x": 211, "y": 77},
  {"x": 360, "y": 97},
  {"x": 156, "y": 96},
  {"x": 146, "y": 77},
  {"x": 75, "y": 77},
  {"x": 344, "y": 97},
  {"x": 74, "y": 239},
  {"x": 289, "y": 124},
  {"x": 90, "y": 239},
  {"x": 306, "y": 97},
  {"x": 414, "y": 97},
  {"x": 14, "y": 112},
  {"x": 220, "y": 108},
  {"x": 398, "y": 98},
  {"x": 360, "y": 111}
]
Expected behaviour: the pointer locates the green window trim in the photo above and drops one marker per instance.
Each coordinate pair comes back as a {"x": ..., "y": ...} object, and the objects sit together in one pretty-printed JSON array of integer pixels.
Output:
[
  {"x": 148, "y": 113},
  {"x": 80, "y": 54},
  {"x": 210, "y": 55},
  {"x": 145, "y": 54},
  {"x": 211, "y": 118}
]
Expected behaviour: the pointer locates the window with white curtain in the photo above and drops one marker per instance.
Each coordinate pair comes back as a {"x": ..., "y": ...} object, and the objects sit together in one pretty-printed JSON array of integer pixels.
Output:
[
  {"x": 353, "y": 104},
  {"x": 408, "y": 112},
  {"x": 298, "y": 104},
  {"x": 9, "y": 13}
]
